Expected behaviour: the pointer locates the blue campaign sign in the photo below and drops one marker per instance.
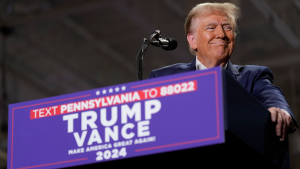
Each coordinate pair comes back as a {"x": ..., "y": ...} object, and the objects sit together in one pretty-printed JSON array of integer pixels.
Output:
[{"x": 116, "y": 122}]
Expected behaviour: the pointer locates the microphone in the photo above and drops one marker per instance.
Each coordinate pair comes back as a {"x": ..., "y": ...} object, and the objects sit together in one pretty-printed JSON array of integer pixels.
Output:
[{"x": 165, "y": 43}]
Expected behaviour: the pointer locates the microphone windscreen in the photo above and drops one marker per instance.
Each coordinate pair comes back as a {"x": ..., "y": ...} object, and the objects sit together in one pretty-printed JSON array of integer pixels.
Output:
[{"x": 172, "y": 44}]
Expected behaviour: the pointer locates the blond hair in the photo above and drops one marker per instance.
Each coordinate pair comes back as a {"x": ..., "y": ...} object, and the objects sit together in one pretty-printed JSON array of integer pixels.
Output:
[{"x": 232, "y": 11}]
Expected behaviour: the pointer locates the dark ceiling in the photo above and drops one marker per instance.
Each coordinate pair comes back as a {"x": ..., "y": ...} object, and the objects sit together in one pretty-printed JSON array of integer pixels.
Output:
[{"x": 65, "y": 46}]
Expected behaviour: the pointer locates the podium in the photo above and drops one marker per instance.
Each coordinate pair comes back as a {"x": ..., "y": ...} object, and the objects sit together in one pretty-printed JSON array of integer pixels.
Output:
[{"x": 202, "y": 119}]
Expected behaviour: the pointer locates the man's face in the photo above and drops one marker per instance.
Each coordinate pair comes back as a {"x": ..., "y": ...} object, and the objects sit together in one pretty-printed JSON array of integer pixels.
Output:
[{"x": 213, "y": 39}]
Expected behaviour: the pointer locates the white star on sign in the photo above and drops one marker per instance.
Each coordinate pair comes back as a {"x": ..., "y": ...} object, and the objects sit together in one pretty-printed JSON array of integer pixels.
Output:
[
  {"x": 117, "y": 89},
  {"x": 123, "y": 88},
  {"x": 97, "y": 92},
  {"x": 104, "y": 91},
  {"x": 110, "y": 90}
]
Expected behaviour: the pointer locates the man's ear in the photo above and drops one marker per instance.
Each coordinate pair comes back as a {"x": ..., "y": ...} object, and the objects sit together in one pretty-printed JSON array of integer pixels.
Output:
[{"x": 192, "y": 40}]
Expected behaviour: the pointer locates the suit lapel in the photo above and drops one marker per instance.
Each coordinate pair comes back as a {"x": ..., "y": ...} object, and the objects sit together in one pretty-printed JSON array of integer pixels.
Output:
[
  {"x": 233, "y": 70},
  {"x": 188, "y": 67}
]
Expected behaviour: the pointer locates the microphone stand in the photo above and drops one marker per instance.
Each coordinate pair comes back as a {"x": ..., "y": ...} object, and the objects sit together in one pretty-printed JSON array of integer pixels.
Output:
[{"x": 140, "y": 55}]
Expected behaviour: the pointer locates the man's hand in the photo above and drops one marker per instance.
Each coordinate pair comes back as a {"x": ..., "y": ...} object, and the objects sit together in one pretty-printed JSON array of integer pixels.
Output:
[{"x": 284, "y": 121}]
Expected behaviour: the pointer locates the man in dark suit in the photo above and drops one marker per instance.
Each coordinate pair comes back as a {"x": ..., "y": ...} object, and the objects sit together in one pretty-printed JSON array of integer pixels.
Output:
[{"x": 211, "y": 29}]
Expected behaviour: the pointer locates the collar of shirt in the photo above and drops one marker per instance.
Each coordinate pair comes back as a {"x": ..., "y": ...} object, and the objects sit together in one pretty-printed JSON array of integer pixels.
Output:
[{"x": 200, "y": 66}]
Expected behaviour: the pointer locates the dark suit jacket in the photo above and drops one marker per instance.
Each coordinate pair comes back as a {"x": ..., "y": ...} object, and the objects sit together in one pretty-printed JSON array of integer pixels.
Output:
[{"x": 257, "y": 80}]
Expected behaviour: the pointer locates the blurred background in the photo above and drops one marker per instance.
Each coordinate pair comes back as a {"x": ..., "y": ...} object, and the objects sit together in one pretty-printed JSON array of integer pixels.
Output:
[{"x": 55, "y": 47}]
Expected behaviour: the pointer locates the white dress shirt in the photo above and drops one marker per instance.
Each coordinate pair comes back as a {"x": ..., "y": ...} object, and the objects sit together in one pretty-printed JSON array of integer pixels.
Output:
[{"x": 200, "y": 66}]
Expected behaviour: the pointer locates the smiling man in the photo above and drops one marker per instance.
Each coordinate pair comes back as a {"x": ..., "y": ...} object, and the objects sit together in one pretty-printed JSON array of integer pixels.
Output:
[
  {"x": 211, "y": 29},
  {"x": 213, "y": 39}
]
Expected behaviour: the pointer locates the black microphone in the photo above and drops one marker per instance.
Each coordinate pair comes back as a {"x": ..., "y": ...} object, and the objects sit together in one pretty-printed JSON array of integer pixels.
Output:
[{"x": 165, "y": 43}]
